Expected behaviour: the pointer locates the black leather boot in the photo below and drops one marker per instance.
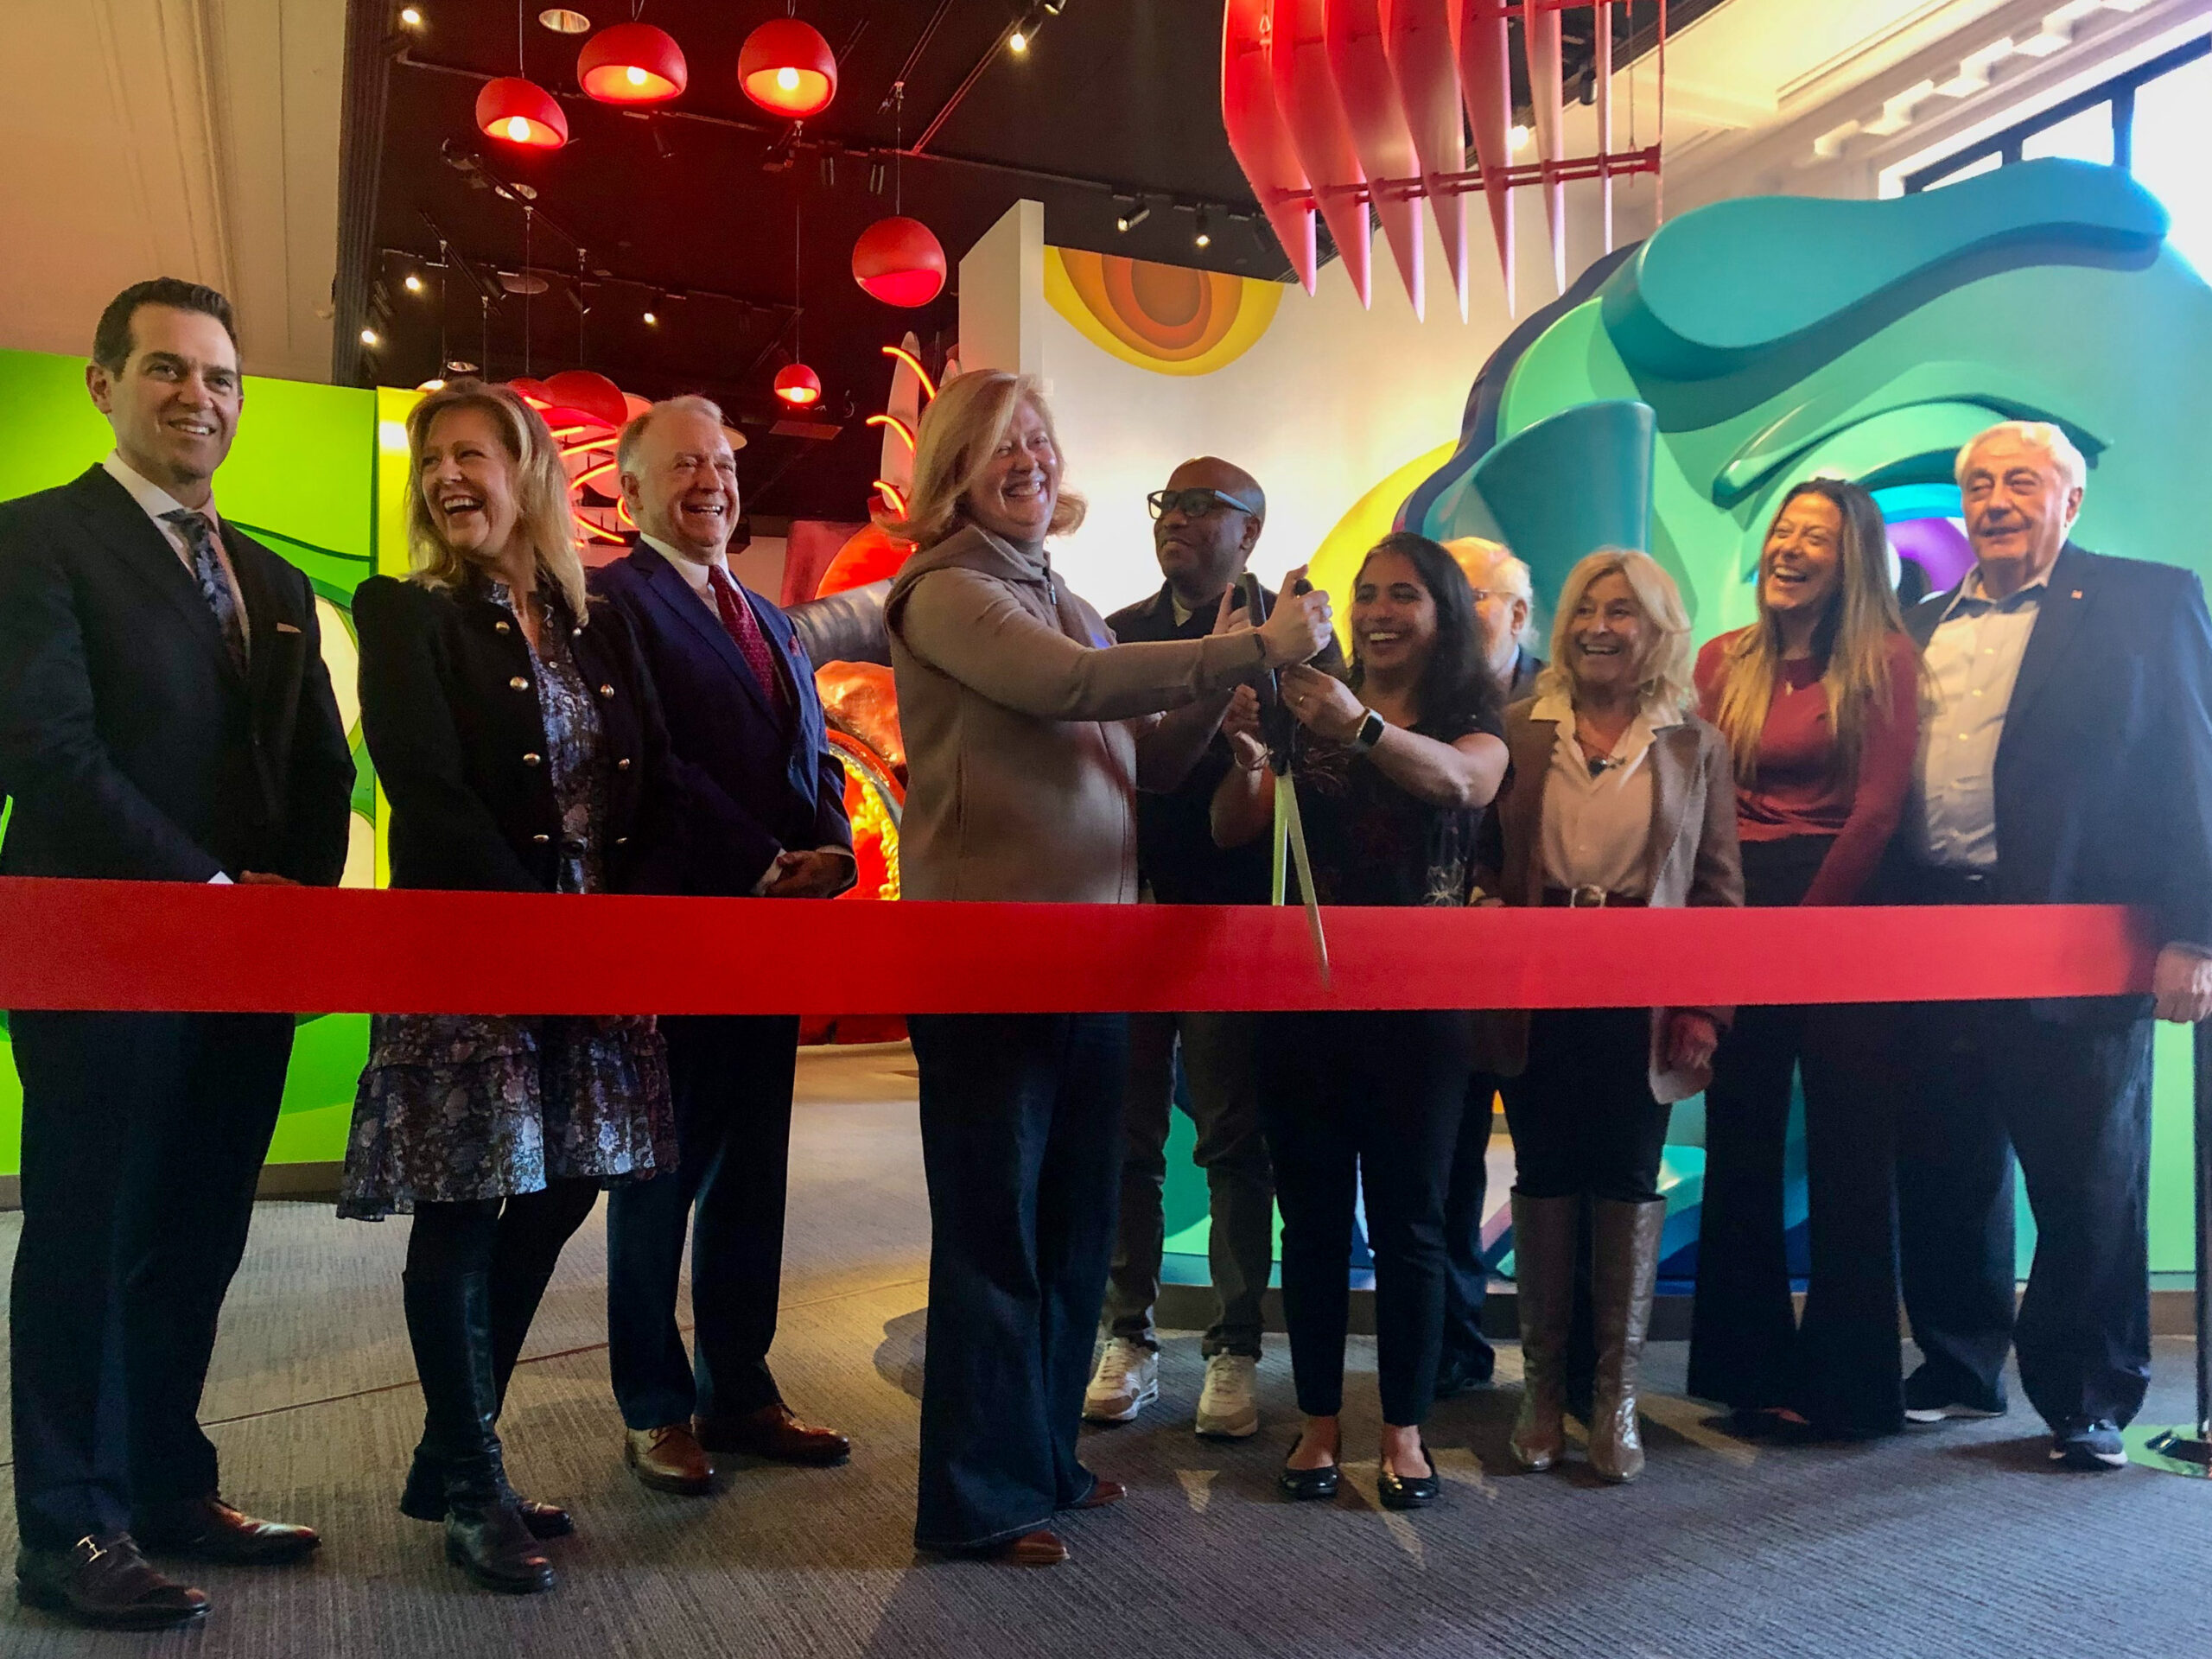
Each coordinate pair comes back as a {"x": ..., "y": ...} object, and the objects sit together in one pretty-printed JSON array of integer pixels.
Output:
[{"x": 449, "y": 1320}]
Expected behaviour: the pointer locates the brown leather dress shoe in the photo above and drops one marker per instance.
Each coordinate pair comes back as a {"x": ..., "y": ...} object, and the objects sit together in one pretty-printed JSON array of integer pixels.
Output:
[
  {"x": 1038, "y": 1549},
  {"x": 1101, "y": 1494},
  {"x": 669, "y": 1459},
  {"x": 105, "y": 1583},
  {"x": 208, "y": 1529},
  {"x": 772, "y": 1432}
]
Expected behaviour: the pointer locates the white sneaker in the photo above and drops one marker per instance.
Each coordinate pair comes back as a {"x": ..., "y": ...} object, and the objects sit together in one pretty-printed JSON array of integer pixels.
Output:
[
  {"x": 1228, "y": 1406},
  {"x": 1126, "y": 1381}
]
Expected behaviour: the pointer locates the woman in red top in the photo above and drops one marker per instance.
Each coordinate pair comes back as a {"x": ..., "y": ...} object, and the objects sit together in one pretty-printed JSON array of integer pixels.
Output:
[{"x": 1819, "y": 699}]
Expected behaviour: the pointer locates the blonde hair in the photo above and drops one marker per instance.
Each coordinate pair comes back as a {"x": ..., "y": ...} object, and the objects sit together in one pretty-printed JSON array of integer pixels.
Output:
[
  {"x": 1854, "y": 637},
  {"x": 541, "y": 492},
  {"x": 2073, "y": 471},
  {"x": 1662, "y": 666},
  {"x": 960, "y": 429}
]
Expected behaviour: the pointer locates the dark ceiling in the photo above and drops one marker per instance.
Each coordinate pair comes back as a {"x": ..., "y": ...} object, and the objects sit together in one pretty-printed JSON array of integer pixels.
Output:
[{"x": 691, "y": 214}]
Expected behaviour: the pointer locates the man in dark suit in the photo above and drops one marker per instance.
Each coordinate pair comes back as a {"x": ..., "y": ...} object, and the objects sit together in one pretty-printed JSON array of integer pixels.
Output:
[
  {"x": 766, "y": 815},
  {"x": 2066, "y": 759},
  {"x": 165, "y": 715},
  {"x": 1505, "y": 600}
]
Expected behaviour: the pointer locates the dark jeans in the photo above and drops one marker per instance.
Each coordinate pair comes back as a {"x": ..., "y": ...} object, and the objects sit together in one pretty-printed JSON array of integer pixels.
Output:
[
  {"x": 1220, "y": 1062},
  {"x": 1842, "y": 1369},
  {"x": 1021, "y": 1125},
  {"x": 730, "y": 1077},
  {"x": 1364, "y": 1104},
  {"x": 516, "y": 1241},
  {"x": 144, "y": 1136},
  {"x": 1581, "y": 1114},
  {"x": 1467, "y": 1354},
  {"x": 1986, "y": 1079}
]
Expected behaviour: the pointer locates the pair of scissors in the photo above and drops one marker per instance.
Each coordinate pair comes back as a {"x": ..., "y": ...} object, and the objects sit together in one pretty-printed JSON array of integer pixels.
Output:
[{"x": 1278, "y": 729}]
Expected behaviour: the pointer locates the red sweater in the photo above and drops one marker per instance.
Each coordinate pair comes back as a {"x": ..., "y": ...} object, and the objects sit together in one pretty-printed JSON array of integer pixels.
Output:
[{"x": 1797, "y": 791}]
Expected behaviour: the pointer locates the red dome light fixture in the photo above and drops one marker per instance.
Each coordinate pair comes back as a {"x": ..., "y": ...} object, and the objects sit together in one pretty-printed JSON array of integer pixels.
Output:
[
  {"x": 520, "y": 112},
  {"x": 798, "y": 386},
  {"x": 632, "y": 63},
  {"x": 787, "y": 68},
  {"x": 900, "y": 261}
]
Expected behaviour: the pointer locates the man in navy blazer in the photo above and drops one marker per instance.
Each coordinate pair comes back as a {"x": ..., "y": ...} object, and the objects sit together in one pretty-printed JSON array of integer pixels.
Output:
[
  {"x": 2066, "y": 758},
  {"x": 165, "y": 715},
  {"x": 766, "y": 816}
]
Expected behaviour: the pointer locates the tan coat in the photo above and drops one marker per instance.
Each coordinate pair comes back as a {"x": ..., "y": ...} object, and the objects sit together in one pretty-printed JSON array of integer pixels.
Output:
[
  {"x": 1694, "y": 856},
  {"x": 1024, "y": 725}
]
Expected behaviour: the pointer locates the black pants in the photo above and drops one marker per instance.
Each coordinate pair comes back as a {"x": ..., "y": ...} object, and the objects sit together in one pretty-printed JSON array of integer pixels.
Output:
[
  {"x": 730, "y": 1076},
  {"x": 516, "y": 1241},
  {"x": 1021, "y": 1130},
  {"x": 1220, "y": 1062},
  {"x": 1363, "y": 1103},
  {"x": 1581, "y": 1115},
  {"x": 1987, "y": 1080},
  {"x": 144, "y": 1136},
  {"x": 1467, "y": 1354},
  {"x": 1842, "y": 1369}
]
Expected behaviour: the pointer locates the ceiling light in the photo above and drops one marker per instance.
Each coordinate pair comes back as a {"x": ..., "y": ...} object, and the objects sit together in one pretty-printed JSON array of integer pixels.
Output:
[
  {"x": 1132, "y": 216},
  {"x": 369, "y": 337},
  {"x": 414, "y": 283},
  {"x": 798, "y": 386},
  {"x": 456, "y": 366},
  {"x": 1204, "y": 238},
  {"x": 788, "y": 69},
  {"x": 515, "y": 111},
  {"x": 632, "y": 63},
  {"x": 431, "y": 386},
  {"x": 1019, "y": 41},
  {"x": 1026, "y": 31},
  {"x": 1519, "y": 137},
  {"x": 652, "y": 322},
  {"x": 562, "y": 21},
  {"x": 411, "y": 15}
]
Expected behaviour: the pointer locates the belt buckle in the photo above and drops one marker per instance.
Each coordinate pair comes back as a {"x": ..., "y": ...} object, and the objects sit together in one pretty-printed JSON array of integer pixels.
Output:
[{"x": 1588, "y": 896}]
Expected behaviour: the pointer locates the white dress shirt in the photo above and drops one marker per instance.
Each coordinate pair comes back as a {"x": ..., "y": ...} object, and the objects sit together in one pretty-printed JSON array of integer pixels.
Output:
[
  {"x": 1597, "y": 829},
  {"x": 1973, "y": 660},
  {"x": 154, "y": 502},
  {"x": 694, "y": 571}
]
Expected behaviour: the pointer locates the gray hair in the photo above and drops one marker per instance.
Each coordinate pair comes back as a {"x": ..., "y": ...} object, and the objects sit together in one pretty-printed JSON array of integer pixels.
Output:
[
  {"x": 633, "y": 432},
  {"x": 2073, "y": 471}
]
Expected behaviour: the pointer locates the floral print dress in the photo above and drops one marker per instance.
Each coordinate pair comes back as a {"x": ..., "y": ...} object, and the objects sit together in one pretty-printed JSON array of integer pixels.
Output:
[{"x": 459, "y": 1107}]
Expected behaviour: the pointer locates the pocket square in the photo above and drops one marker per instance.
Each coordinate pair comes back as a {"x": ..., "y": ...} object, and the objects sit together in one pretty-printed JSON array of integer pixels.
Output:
[{"x": 286, "y": 628}]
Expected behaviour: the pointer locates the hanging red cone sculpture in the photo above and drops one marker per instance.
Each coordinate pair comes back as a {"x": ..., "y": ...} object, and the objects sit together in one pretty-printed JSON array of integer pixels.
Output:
[
  {"x": 1352, "y": 35},
  {"x": 1417, "y": 40},
  {"x": 900, "y": 261},
  {"x": 1258, "y": 136},
  {"x": 1298, "y": 61},
  {"x": 1478, "y": 41},
  {"x": 1540, "y": 30}
]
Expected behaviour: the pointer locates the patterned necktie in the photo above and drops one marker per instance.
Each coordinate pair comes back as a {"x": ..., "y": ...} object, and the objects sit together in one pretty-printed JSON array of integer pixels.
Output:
[
  {"x": 214, "y": 586},
  {"x": 744, "y": 629}
]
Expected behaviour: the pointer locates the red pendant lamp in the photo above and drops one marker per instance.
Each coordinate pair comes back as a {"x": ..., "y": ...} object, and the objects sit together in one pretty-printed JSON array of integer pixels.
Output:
[
  {"x": 798, "y": 386},
  {"x": 632, "y": 63},
  {"x": 520, "y": 112},
  {"x": 787, "y": 68},
  {"x": 579, "y": 394},
  {"x": 900, "y": 261}
]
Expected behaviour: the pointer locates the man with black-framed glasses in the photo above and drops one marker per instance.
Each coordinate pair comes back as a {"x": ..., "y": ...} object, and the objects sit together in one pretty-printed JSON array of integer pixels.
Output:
[{"x": 1205, "y": 525}]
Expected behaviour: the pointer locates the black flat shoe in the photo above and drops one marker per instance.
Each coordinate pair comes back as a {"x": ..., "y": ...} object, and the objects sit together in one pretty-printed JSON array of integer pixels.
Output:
[
  {"x": 1409, "y": 1491},
  {"x": 1306, "y": 1485}
]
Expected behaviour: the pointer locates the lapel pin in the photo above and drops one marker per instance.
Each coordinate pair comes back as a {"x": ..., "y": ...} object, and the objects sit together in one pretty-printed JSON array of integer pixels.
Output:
[{"x": 2077, "y": 593}]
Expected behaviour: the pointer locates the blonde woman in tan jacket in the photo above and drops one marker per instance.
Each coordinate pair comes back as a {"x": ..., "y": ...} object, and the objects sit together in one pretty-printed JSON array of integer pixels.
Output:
[
  {"x": 1617, "y": 795},
  {"x": 1028, "y": 732}
]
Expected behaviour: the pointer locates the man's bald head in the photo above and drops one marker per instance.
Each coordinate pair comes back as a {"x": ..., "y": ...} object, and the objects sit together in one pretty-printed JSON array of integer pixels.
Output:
[{"x": 1202, "y": 551}]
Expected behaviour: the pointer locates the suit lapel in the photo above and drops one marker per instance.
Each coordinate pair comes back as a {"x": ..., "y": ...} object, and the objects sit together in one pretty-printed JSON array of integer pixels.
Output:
[
  {"x": 668, "y": 585},
  {"x": 264, "y": 610},
  {"x": 118, "y": 524},
  {"x": 2065, "y": 601}
]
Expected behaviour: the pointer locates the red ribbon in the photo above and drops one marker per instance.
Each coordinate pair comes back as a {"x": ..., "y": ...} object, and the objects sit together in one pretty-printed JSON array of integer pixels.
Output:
[{"x": 165, "y": 945}]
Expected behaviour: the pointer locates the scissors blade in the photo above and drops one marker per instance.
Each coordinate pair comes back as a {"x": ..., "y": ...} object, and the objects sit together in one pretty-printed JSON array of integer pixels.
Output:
[{"x": 1294, "y": 829}]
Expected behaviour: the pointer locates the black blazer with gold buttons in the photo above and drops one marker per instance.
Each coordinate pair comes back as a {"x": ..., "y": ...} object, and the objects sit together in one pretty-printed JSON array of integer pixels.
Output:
[{"x": 449, "y": 707}]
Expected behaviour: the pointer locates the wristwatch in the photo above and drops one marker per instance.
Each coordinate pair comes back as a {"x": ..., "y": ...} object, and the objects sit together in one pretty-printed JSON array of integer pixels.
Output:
[{"x": 1368, "y": 734}]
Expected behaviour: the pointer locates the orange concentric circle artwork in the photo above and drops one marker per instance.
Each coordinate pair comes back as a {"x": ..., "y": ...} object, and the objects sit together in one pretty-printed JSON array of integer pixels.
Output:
[{"x": 1171, "y": 319}]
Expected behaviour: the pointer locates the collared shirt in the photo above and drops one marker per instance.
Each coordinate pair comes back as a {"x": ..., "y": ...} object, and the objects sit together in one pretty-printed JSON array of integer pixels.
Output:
[
  {"x": 694, "y": 571},
  {"x": 1596, "y": 826},
  {"x": 1973, "y": 662},
  {"x": 154, "y": 502}
]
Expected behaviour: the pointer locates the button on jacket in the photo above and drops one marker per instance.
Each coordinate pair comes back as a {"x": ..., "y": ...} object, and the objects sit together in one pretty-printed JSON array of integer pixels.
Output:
[{"x": 449, "y": 705}]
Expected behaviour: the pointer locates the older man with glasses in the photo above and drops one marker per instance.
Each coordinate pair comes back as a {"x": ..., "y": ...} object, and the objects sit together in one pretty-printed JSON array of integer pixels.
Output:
[{"x": 1205, "y": 525}]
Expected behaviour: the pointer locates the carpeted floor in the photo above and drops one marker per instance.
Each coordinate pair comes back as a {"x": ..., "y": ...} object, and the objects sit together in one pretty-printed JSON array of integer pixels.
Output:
[{"x": 1956, "y": 1543}]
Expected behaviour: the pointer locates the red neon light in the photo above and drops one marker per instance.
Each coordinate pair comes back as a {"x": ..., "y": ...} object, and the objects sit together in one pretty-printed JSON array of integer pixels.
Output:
[
  {"x": 896, "y": 425},
  {"x": 892, "y": 498},
  {"x": 929, "y": 386}
]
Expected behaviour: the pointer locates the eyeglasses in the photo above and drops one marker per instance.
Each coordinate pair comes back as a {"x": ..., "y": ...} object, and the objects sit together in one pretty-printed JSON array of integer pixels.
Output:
[{"x": 1193, "y": 504}]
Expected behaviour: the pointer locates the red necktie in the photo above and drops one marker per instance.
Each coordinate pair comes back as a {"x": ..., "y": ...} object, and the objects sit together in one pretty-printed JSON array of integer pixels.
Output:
[{"x": 744, "y": 629}]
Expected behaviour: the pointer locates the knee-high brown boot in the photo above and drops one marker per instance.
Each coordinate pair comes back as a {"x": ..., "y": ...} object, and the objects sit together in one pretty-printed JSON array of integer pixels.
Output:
[
  {"x": 1543, "y": 1283},
  {"x": 1626, "y": 1264}
]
